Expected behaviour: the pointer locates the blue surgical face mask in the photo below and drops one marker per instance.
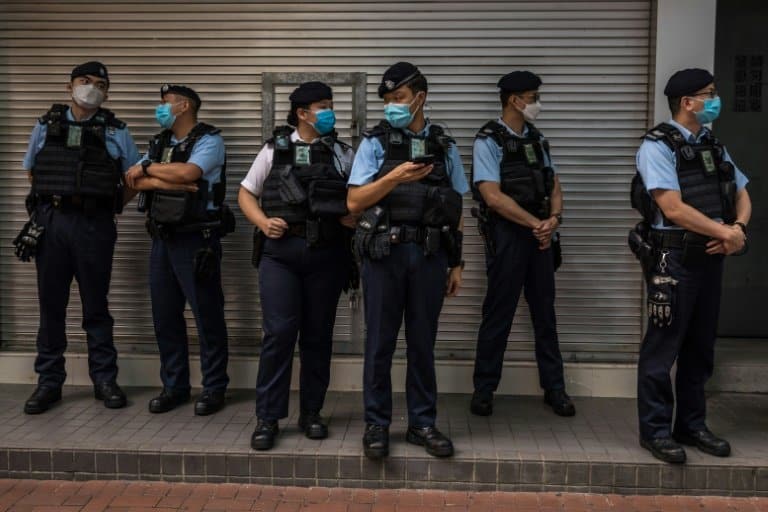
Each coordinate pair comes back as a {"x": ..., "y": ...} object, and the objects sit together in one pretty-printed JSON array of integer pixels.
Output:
[
  {"x": 164, "y": 116},
  {"x": 399, "y": 114},
  {"x": 710, "y": 112},
  {"x": 325, "y": 120}
]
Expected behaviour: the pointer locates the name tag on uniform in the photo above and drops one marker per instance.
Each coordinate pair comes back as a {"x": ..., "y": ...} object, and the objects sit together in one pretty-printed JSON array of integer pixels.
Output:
[
  {"x": 74, "y": 134},
  {"x": 708, "y": 161},
  {"x": 530, "y": 154},
  {"x": 301, "y": 155},
  {"x": 418, "y": 148},
  {"x": 167, "y": 155}
]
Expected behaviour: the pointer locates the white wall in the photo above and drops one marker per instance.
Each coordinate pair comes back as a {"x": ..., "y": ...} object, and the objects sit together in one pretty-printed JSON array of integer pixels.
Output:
[{"x": 685, "y": 38}]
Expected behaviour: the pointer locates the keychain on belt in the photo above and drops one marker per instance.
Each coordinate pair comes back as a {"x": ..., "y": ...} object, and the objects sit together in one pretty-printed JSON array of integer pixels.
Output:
[{"x": 660, "y": 295}]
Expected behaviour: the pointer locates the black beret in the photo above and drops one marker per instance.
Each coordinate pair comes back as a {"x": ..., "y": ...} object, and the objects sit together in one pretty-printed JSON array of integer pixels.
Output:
[
  {"x": 181, "y": 90},
  {"x": 93, "y": 68},
  {"x": 687, "y": 81},
  {"x": 396, "y": 76},
  {"x": 310, "y": 92},
  {"x": 519, "y": 81}
]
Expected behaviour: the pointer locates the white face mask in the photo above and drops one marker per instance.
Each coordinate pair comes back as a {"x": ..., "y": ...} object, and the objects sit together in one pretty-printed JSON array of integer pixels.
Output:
[
  {"x": 531, "y": 111},
  {"x": 87, "y": 96}
]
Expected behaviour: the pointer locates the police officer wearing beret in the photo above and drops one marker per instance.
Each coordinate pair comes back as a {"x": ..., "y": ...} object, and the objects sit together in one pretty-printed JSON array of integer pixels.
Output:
[
  {"x": 521, "y": 206},
  {"x": 76, "y": 158},
  {"x": 183, "y": 179},
  {"x": 696, "y": 210},
  {"x": 303, "y": 233},
  {"x": 408, "y": 180}
]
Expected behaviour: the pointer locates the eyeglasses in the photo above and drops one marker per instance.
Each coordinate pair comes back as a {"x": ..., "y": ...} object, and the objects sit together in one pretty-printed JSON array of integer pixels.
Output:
[{"x": 712, "y": 94}]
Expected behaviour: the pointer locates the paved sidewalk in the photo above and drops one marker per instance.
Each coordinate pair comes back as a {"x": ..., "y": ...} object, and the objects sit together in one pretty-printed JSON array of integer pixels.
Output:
[
  {"x": 522, "y": 447},
  {"x": 117, "y": 496}
]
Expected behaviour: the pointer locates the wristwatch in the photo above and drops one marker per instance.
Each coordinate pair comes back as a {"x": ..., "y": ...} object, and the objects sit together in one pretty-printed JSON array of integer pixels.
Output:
[
  {"x": 742, "y": 226},
  {"x": 559, "y": 217},
  {"x": 144, "y": 166}
]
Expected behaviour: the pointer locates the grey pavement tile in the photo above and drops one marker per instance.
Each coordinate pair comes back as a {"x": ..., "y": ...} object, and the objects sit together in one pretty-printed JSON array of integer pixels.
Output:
[
  {"x": 40, "y": 461},
  {"x": 521, "y": 445}
]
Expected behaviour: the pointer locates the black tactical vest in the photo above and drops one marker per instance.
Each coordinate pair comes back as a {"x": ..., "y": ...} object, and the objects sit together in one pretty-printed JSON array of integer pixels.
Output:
[
  {"x": 409, "y": 202},
  {"x": 177, "y": 208},
  {"x": 707, "y": 181},
  {"x": 74, "y": 160},
  {"x": 303, "y": 182},
  {"x": 524, "y": 175}
]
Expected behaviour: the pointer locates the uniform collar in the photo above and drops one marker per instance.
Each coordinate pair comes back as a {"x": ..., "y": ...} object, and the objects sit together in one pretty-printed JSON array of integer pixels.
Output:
[
  {"x": 688, "y": 134},
  {"x": 71, "y": 117},
  {"x": 296, "y": 137},
  {"x": 510, "y": 130},
  {"x": 422, "y": 133}
]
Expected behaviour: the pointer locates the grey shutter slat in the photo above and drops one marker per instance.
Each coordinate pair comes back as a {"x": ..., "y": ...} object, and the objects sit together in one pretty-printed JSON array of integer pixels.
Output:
[{"x": 592, "y": 55}]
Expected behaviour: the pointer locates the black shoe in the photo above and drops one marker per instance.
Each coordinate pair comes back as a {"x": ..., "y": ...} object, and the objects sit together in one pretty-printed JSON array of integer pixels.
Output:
[
  {"x": 481, "y": 405},
  {"x": 665, "y": 449},
  {"x": 168, "y": 400},
  {"x": 313, "y": 425},
  {"x": 376, "y": 441},
  {"x": 209, "y": 402},
  {"x": 263, "y": 437},
  {"x": 705, "y": 441},
  {"x": 560, "y": 402},
  {"x": 436, "y": 443},
  {"x": 42, "y": 399},
  {"x": 111, "y": 394}
]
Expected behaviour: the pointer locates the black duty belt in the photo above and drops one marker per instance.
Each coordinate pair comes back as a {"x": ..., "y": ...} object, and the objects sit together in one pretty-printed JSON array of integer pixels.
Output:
[
  {"x": 676, "y": 238},
  {"x": 299, "y": 229},
  {"x": 77, "y": 202},
  {"x": 406, "y": 234}
]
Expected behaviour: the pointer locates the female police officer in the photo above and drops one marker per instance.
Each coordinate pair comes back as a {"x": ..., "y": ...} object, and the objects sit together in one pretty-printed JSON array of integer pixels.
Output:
[{"x": 300, "y": 177}]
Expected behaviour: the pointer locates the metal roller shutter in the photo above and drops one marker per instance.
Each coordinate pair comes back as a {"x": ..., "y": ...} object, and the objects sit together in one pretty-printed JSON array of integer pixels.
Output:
[{"x": 593, "y": 57}]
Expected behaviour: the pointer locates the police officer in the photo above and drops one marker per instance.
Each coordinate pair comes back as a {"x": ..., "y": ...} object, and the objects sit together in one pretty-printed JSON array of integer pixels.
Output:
[
  {"x": 76, "y": 157},
  {"x": 521, "y": 207},
  {"x": 408, "y": 179},
  {"x": 300, "y": 177},
  {"x": 185, "y": 264},
  {"x": 698, "y": 210}
]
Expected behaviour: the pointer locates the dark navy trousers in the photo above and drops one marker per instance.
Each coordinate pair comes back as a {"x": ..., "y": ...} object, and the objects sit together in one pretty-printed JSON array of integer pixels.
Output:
[
  {"x": 79, "y": 246},
  {"x": 690, "y": 339},
  {"x": 404, "y": 285},
  {"x": 299, "y": 289},
  {"x": 517, "y": 265},
  {"x": 172, "y": 284}
]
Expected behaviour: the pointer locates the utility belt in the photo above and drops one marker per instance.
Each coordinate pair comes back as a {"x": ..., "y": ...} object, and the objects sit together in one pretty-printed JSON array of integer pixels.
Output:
[
  {"x": 678, "y": 239},
  {"x": 319, "y": 232},
  {"x": 78, "y": 203},
  {"x": 220, "y": 222}
]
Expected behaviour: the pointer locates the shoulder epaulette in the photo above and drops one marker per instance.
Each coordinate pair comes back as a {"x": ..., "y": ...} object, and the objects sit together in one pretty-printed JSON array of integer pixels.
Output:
[
  {"x": 377, "y": 131},
  {"x": 55, "y": 113},
  {"x": 201, "y": 129},
  {"x": 491, "y": 129},
  {"x": 110, "y": 119}
]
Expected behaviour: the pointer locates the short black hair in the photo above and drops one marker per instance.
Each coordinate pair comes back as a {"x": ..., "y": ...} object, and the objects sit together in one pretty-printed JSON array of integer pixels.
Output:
[
  {"x": 674, "y": 104},
  {"x": 418, "y": 84},
  {"x": 293, "y": 119},
  {"x": 504, "y": 97}
]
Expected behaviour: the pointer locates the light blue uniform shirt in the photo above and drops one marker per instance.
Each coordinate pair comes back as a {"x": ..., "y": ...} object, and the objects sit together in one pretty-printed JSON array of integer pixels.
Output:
[
  {"x": 208, "y": 154},
  {"x": 370, "y": 156},
  {"x": 657, "y": 165},
  {"x": 487, "y": 156},
  {"x": 119, "y": 143}
]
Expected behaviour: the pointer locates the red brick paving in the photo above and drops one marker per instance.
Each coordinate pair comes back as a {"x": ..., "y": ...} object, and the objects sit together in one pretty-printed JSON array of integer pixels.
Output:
[{"x": 61, "y": 496}]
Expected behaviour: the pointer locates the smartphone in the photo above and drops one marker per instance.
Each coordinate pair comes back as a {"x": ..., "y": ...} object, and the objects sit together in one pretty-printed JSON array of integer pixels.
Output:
[{"x": 424, "y": 159}]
